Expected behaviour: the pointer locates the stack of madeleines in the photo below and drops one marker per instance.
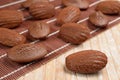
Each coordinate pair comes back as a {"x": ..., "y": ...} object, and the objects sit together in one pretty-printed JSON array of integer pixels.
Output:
[{"x": 88, "y": 61}]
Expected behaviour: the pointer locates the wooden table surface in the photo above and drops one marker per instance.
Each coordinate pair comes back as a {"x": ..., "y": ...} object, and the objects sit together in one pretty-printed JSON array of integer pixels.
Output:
[{"x": 107, "y": 42}]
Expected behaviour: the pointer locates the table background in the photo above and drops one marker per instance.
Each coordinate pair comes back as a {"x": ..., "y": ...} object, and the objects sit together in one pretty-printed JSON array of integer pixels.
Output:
[{"x": 107, "y": 42}]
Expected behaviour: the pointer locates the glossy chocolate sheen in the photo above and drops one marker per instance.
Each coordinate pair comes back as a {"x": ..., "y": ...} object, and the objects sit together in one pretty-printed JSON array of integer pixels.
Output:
[
  {"x": 27, "y": 3},
  {"x": 88, "y": 61},
  {"x": 74, "y": 33},
  {"x": 10, "y": 37},
  {"x": 98, "y": 19},
  {"x": 68, "y": 14},
  {"x": 38, "y": 30},
  {"x": 26, "y": 53},
  {"x": 109, "y": 7},
  {"x": 10, "y": 18},
  {"x": 42, "y": 10},
  {"x": 82, "y": 4}
]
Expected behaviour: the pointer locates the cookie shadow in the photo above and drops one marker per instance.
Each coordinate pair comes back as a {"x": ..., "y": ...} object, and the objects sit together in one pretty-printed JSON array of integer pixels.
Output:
[
  {"x": 81, "y": 74},
  {"x": 67, "y": 71}
]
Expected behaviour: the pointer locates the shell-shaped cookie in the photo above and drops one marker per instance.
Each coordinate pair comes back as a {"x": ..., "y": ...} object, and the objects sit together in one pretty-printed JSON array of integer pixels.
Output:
[
  {"x": 10, "y": 37},
  {"x": 26, "y": 53},
  {"x": 38, "y": 30},
  {"x": 27, "y": 3},
  {"x": 42, "y": 10},
  {"x": 10, "y": 18},
  {"x": 82, "y": 4},
  {"x": 88, "y": 61},
  {"x": 74, "y": 33},
  {"x": 109, "y": 7},
  {"x": 98, "y": 19},
  {"x": 68, "y": 14}
]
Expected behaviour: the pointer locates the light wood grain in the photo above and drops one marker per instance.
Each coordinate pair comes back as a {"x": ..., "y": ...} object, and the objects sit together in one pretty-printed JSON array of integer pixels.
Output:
[{"x": 107, "y": 42}]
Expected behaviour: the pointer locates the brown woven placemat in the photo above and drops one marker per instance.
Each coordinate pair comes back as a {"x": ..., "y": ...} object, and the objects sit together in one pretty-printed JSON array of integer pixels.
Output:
[{"x": 11, "y": 70}]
